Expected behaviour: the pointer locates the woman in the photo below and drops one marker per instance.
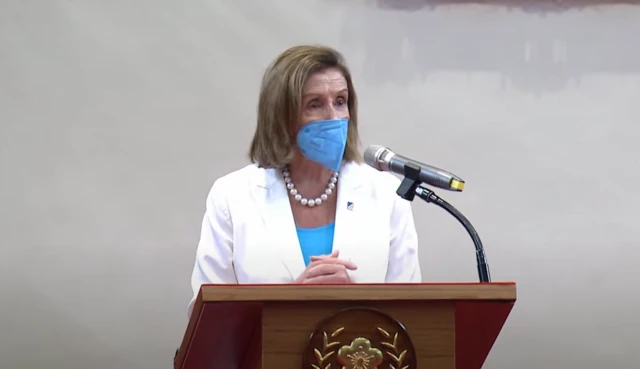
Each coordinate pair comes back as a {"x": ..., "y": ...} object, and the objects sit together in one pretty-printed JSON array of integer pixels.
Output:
[{"x": 307, "y": 210}]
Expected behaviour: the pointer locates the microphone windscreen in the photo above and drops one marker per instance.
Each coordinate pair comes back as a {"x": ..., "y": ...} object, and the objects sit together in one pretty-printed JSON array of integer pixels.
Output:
[{"x": 371, "y": 154}]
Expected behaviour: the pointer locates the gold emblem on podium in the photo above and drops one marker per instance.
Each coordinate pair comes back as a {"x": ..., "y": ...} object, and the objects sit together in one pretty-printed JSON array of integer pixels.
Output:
[
  {"x": 359, "y": 355},
  {"x": 359, "y": 338}
]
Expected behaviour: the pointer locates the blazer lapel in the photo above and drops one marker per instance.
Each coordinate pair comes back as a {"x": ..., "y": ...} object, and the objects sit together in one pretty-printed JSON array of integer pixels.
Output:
[
  {"x": 273, "y": 203},
  {"x": 349, "y": 214},
  {"x": 275, "y": 209}
]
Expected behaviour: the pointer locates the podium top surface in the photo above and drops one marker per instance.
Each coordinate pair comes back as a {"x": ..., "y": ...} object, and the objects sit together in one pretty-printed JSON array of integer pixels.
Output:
[{"x": 495, "y": 291}]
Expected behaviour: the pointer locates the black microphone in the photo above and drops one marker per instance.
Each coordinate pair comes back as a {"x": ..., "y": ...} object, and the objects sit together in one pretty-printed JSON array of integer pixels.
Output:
[{"x": 383, "y": 159}]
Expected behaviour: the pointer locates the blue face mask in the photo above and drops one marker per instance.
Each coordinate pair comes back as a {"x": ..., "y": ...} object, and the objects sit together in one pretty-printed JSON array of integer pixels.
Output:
[{"x": 324, "y": 141}]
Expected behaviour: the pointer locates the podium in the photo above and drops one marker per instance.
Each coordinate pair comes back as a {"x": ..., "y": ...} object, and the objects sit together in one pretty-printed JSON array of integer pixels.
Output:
[{"x": 356, "y": 326}]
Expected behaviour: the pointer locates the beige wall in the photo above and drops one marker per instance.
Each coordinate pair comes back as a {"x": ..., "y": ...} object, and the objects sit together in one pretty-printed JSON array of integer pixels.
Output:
[{"x": 116, "y": 116}]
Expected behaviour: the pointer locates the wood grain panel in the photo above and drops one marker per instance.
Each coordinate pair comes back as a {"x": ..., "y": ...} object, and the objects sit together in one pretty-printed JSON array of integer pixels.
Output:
[{"x": 287, "y": 328}]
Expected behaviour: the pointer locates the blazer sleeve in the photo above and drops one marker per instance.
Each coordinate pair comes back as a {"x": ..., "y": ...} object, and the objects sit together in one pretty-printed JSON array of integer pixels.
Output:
[
  {"x": 214, "y": 255},
  {"x": 404, "y": 266}
]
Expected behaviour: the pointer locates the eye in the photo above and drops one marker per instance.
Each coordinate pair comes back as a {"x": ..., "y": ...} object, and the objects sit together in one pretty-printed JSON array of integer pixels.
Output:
[
  {"x": 314, "y": 104},
  {"x": 341, "y": 101}
]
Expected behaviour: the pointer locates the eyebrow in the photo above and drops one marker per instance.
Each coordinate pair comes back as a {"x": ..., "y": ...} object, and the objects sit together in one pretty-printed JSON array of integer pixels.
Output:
[{"x": 343, "y": 91}]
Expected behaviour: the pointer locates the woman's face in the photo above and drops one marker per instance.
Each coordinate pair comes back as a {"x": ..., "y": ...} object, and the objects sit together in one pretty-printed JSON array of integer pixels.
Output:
[{"x": 324, "y": 96}]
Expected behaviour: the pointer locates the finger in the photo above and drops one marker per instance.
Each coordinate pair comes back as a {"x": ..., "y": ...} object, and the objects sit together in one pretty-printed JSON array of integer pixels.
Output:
[
  {"x": 334, "y": 254},
  {"x": 324, "y": 279},
  {"x": 346, "y": 263},
  {"x": 323, "y": 269},
  {"x": 326, "y": 269},
  {"x": 340, "y": 277},
  {"x": 321, "y": 279},
  {"x": 349, "y": 264}
]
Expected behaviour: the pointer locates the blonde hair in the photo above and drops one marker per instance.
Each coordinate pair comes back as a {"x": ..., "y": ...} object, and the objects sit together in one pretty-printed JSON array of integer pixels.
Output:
[{"x": 279, "y": 104}]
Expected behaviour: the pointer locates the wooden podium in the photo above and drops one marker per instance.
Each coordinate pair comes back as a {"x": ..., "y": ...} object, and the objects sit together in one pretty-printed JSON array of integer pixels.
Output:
[{"x": 359, "y": 326}]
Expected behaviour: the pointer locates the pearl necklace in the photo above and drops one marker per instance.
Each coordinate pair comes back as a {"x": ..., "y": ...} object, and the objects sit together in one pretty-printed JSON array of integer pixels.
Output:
[{"x": 309, "y": 202}]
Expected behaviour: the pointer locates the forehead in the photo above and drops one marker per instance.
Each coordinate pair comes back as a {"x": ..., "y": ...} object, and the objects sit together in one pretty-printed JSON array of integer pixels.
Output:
[{"x": 325, "y": 81}]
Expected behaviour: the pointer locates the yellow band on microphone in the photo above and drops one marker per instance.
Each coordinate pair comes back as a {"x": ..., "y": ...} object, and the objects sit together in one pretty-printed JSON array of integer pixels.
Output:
[{"x": 456, "y": 185}]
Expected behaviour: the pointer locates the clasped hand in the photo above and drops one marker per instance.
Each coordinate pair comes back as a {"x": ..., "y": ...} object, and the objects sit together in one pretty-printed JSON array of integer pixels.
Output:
[{"x": 327, "y": 269}]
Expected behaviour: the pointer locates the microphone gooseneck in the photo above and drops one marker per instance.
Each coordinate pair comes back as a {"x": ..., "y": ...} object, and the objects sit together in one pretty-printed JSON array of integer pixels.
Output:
[
  {"x": 380, "y": 158},
  {"x": 481, "y": 259}
]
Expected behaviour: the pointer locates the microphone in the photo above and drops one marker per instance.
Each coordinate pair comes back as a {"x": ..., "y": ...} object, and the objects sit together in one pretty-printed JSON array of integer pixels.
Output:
[
  {"x": 415, "y": 173},
  {"x": 383, "y": 159}
]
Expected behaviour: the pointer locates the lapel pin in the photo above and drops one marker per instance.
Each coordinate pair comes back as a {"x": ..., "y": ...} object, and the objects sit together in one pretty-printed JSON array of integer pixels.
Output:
[{"x": 349, "y": 205}]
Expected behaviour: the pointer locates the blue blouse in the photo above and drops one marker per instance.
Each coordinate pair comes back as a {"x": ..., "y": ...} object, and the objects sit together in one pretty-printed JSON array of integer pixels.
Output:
[{"x": 316, "y": 241}]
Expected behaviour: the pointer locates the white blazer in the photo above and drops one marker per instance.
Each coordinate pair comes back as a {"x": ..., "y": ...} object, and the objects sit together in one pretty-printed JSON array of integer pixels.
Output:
[{"x": 249, "y": 236}]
